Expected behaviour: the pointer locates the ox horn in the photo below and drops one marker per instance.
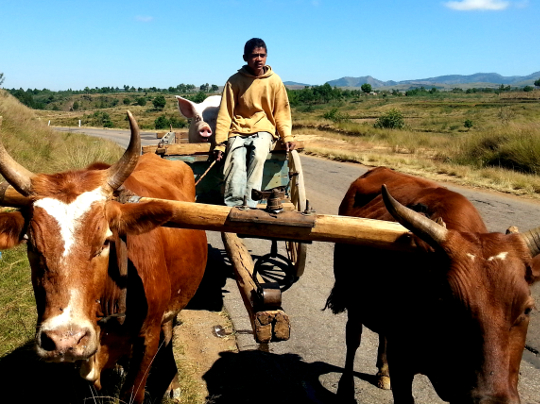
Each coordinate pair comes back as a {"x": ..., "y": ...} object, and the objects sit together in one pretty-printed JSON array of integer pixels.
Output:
[
  {"x": 122, "y": 169},
  {"x": 532, "y": 240},
  {"x": 18, "y": 176},
  {"x": 425, "y": 228}
]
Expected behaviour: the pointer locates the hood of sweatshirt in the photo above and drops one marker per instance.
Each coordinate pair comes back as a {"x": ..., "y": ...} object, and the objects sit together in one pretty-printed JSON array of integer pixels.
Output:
[{"x": 245, "y": 71}]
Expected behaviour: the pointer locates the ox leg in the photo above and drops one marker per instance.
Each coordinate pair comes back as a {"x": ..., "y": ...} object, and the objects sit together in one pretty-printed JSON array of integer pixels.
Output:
[
  {"x": 353, "y": 336},
  {"x": 402, "y": 377},
  {"x": 163, "y": 380},
  {"x": 144, "y": 353},
  {"x": 383, "y": 376}
]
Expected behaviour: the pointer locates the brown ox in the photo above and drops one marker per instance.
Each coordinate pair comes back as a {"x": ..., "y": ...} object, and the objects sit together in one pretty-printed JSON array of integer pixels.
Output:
[
  {"x": 74, "y": 230},
  {"x": 457, "y": 310}
]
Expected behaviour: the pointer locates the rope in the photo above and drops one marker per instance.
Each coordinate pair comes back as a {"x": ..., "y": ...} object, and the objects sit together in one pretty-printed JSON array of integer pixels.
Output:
[{"x": 206, "y": 172}]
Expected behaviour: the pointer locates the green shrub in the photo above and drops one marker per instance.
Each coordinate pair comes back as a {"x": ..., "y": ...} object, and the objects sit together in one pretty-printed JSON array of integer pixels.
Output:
[
  {"x": 335, "y": 116},
  {"x": 468, "y": 123},
  {"x": 164, "y": 122},
  {"x": 393, "y": 119},
  {"x": 126, "y": 101},
  {"x": 161, "y": 122},
  {"x": 159, "y": 102},
  {"x": 141, "y": 101},
  {"x": 199, "y": 97}
]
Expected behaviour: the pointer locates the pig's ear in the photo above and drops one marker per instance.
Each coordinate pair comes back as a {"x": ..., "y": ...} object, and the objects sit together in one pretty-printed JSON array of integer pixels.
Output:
[{"x": 186, "y": 107}]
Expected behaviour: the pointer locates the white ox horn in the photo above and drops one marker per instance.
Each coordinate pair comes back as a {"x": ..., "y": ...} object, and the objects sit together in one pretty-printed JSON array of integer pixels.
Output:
[
  {"x": 532, "y": 240},
  {"x": 18, "y": 176},
  {"x": 122, "y": 169},
  {"x": 425, "y": 228}
]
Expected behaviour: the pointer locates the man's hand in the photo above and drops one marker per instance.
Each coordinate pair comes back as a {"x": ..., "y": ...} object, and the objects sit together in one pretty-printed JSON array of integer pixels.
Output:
[
  {"x": 218, "y": 155},
  {"x": 290, "y": 146}
]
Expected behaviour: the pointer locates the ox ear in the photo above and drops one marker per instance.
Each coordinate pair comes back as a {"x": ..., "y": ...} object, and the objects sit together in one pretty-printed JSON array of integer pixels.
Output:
[
  {"x": 187, "y": 108},
  {"x": 12, "y": 228},
  {"x": 137, "y": 218}
]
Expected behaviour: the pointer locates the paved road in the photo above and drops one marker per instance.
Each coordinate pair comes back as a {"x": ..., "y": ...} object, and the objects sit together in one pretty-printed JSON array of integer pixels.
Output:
[
  {"x": 312, "y": 359},
  {"x": 116, "y": 135},
  {"x": 306, "y": 368}
]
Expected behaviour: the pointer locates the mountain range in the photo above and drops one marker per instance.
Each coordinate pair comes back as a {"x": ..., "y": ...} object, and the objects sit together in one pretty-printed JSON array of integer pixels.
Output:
[{"x": 452, "y": 80}]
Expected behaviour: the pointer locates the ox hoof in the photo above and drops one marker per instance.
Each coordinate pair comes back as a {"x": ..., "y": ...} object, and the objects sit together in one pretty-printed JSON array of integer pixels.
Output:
[
  {"x": 345, "y": 391},
  {"x": 383, "y": 382}
]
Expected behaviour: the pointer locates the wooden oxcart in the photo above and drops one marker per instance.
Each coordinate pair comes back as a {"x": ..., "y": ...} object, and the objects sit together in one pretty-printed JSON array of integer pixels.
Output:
[
  {"x": 296, "y": 224},
  {"x": 292, "y": 222},
  {"x": 282, "y": 191}
]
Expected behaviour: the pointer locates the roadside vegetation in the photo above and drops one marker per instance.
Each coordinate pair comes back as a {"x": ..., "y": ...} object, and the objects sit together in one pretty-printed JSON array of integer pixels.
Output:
[
  {"x": 487, "y": 137},
  {"x": 481, "y": 137}
]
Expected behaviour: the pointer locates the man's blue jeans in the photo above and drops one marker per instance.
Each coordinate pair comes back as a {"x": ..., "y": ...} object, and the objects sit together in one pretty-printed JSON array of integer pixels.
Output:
[{"x": 243, "y": 169}]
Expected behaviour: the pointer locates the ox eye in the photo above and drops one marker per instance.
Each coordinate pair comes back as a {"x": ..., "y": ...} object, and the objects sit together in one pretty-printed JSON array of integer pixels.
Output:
[
  {"x": 527, "y": 311},
  {"x": 104, "y": 248}
]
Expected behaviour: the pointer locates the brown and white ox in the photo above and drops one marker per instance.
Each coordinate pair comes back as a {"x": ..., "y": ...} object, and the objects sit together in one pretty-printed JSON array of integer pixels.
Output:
[
  {"x": 457, "y": 310},
  {"x": 203, "y": 118},
  {"x": 73, "y": 230}
]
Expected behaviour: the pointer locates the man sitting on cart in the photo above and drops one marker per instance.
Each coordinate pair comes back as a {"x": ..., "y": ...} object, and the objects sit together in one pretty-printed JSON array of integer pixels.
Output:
[{"x": 253, "y": 114}]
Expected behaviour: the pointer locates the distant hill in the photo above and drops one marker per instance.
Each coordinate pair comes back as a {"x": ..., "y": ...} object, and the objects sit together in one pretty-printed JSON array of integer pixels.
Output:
[
  {"x": 294, "y": 85},
  {"x": 448, "y": 80},
  {"x": 358, "y": 81}
]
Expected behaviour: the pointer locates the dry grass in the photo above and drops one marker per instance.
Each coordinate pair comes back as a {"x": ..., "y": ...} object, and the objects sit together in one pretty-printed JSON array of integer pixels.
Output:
[{"x": 435, "y": 157}]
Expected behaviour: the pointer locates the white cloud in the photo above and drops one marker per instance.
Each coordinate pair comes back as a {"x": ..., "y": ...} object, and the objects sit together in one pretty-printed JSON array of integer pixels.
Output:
[
  {"x": 467, "y": 5},
  {"x": 144, "y": 18}
]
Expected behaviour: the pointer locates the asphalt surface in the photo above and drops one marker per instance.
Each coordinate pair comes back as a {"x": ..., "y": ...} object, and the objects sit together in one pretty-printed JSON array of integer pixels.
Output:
[
  {"x": 313, "y": 358},
  {"x": 307, "y": 368}
]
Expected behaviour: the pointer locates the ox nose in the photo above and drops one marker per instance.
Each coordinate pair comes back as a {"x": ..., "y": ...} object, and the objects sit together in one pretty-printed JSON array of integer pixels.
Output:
[{"x": 61, "y": 342}]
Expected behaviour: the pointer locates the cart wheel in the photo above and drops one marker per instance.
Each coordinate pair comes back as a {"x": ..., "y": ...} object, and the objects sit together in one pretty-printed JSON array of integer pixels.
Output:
[{"x": 296, "y": 252}]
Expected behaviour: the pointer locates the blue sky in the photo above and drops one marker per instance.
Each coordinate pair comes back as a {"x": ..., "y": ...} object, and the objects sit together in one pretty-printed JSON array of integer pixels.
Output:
[{"x": 73, "y": 44}]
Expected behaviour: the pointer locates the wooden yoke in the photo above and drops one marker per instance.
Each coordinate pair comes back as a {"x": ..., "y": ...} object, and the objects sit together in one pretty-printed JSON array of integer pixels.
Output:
[
  {"x": 328, "y": 228},
  {"x": 11, "y": 197}
]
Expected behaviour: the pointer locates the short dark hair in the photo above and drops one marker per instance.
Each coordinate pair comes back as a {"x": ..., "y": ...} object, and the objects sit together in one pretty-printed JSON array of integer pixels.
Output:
[{"x": 252, "y": 44}]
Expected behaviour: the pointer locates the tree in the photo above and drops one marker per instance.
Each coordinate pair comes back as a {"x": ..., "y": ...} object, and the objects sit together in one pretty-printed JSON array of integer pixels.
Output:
[
  {"x": 536, "y": 83},
  {"x": 141, "y": 101},
  {"x": 366, "y": 88},
  {"x": 214, "y": 88},
  {"x": 159, "y": 102},
  {"x": 199, "y": 97},
  {"x": 2, "y": 78},
  {"x": 181, "y": 88}
]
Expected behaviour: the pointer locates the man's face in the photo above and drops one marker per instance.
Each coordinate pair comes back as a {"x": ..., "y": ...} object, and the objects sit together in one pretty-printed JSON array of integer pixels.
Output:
[{"x": 256, "y": 60}]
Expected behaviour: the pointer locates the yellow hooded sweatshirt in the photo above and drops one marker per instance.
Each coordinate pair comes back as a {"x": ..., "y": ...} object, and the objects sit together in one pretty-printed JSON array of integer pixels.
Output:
[{"x": 252, "y": 104}]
